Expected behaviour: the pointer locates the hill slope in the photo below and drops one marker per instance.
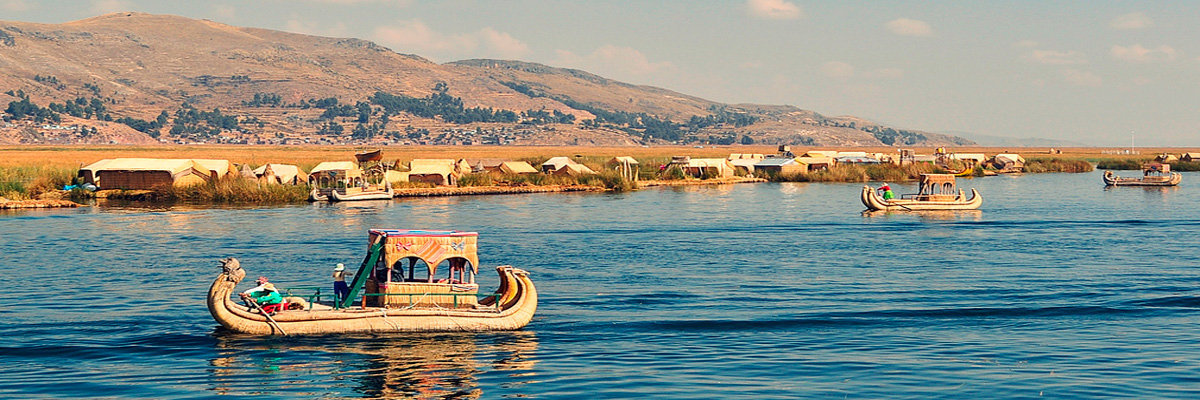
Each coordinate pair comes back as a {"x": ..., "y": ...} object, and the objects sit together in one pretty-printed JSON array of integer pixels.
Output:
[{"x": 185, "y": 80}]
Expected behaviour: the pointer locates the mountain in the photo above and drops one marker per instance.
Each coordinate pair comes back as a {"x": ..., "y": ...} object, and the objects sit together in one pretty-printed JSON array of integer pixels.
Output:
[
  {"x": 1003, "y": 141},
  {"x": 144, "y": 78}
]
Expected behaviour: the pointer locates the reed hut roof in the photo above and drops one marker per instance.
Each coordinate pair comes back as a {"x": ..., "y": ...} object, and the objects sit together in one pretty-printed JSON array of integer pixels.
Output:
[
  {"x": 351, "y": 169},
  {"x": 284, "y": 172},
  {"x": 517, "y": 167},
  {"x": 173, "y": 166},
  {"x": 440, "y": 166},
  {"x": 775, "y": 161},
  {"x": 557, "y": 162},
  {"x": 1010, "y": 157},
  {"x": 221, "y": 167},
  {"x": 623, "y": 160},
  {"x": 814, "y": 160},
  {"x": 821, "y": 154},
  {"x": 574, "y": 169},
  {"x": 968, "y": 156}
]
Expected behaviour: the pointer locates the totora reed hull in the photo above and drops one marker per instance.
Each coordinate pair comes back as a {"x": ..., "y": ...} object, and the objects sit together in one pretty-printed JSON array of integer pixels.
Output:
[{"x": 511, "y": 308}]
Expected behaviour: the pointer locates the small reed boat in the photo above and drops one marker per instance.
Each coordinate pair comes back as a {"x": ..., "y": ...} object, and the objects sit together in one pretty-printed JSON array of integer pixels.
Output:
[
  {"x": 352, "y": 194},
  {"x": 1153, "y": 174},
  {"x": 387, "y": 295},
  {"x": 938, "y": 192}
]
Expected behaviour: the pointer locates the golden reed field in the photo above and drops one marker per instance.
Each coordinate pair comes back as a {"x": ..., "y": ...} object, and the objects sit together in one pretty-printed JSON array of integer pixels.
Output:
[{"x": 308, "y": 156}]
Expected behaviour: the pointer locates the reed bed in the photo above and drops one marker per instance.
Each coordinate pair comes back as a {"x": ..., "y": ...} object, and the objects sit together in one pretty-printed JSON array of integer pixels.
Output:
[
  {"x": 1040, "y": 165},
  {"x": 862, "y": 173},
  {"x": 29, "y": 182},
  {"x": 1121, "y": 164},
  {"x": 235, "y": 190}
]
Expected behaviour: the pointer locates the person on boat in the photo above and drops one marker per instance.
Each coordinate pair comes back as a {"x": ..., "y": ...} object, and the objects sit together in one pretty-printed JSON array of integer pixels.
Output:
[
  {"x": 340, "y": 289},
  {"x": 265, "y": 295},
  {"x": 887, "y": 192}
]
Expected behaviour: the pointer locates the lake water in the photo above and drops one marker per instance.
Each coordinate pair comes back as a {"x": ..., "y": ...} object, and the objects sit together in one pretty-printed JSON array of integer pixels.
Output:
[{"x": 1057, "y": 288}]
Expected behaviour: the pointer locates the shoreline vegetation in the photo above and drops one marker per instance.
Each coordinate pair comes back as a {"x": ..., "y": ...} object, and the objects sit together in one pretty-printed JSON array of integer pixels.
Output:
[{"x": 34, "y": 177}]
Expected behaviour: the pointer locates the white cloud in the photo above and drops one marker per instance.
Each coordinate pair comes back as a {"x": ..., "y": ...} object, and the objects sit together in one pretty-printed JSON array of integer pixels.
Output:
[
  {"x": 402, "y": 3},
  {"x": 1140, "y": 54},
  {"x": 1052, "y": 57},
  {"x": 110, "y": 6},
  {"x": 1131, "y": 21},
  {"x": 615, "y": 60},
  {"x": 837, "y": 69},
  {"x": 1081, "y": 78},
  {"x": 751, "y": 65},
  {"x": 414, "y": 36},
  {"x": 909, "y": 27},
  {"x": 502, "y": 43},
  {"x": 1025, "y": 44},
  {"x": 774, "y": 9},
  {"x": 14, "y": 5},
  {"x": 885, "y": 73}
]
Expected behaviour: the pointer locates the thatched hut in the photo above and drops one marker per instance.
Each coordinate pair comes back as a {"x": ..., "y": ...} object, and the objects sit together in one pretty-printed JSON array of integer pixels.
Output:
[
  {"x": 626, "y": 166},
  {"x": 145, "y": 173},
  {"x": 574, "y": 169},
  {"x": 515, "y": 168},
  {"x": 703, "y": 167},
  {"x": 780, "y": 166},
  {"x": 1007, "y": 161},
  {"x": 555, "y": 164},
  {"x": 743, "y": 164},
  {"x": 283, "y": 174},
  {"x": 815, "y": 163},
  {"x": 438, "y": 171},
  {"x": 1189, "y": 157}
]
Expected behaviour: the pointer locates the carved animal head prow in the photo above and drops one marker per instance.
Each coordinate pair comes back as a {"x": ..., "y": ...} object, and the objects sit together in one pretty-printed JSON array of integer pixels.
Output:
[{"x": 233, "y": 269}]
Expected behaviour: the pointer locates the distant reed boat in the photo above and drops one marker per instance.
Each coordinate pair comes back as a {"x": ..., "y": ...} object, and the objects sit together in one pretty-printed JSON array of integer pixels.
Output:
[
  {"x": 1153, "y": 174},
  {"x": 396, "y": 289},
  {"x": 938, "y": 192}
]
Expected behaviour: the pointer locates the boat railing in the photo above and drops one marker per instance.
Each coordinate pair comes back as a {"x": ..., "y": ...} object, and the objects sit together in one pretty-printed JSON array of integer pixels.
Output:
[
  {"x": 312, "y": 298},
  {"x": 454, "y": 296}
]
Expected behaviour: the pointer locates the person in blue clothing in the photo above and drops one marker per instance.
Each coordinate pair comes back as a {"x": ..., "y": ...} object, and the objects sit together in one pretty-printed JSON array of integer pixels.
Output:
[{"x": 340, "y": 289}]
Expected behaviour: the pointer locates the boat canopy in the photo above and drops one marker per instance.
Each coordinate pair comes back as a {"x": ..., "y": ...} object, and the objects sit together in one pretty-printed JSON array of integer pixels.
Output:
[
  {"x": 1156, "y": 167},
  {"x": 937, "y": 184},
  {"x": 432, "y": 247}
]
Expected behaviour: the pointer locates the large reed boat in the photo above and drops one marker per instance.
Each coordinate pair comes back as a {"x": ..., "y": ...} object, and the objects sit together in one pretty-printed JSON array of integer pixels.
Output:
[
  {"x": 396, "y": 289},
  {"x": 1153, "y": 174},
  {"x": 938, "y": 192}
]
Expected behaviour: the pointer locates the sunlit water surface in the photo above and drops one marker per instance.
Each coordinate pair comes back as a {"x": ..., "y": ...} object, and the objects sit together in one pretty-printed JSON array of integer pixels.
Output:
[{"x": 1057, "y": 288}]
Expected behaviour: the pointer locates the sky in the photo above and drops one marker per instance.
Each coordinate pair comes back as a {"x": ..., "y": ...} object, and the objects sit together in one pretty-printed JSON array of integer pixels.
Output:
[{"x": 1103, "y": 73}]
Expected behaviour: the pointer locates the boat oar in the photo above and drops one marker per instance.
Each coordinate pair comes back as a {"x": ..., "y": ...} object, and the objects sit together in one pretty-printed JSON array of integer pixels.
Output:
[{"x": 270, "y": 321}]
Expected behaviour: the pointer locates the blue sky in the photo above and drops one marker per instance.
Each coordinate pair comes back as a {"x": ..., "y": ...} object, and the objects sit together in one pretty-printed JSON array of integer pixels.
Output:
[{"x": 1095, "y": 72}]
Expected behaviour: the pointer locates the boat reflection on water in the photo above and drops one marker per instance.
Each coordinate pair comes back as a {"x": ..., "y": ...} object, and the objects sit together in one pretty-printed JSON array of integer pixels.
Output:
[
  {"x": 930, "y": 215},
  {"x": 387, "y": 367}
]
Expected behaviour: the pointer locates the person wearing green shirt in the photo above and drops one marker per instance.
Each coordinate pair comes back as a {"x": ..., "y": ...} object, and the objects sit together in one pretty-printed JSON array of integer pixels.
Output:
[{"x": 887, "y": 192}]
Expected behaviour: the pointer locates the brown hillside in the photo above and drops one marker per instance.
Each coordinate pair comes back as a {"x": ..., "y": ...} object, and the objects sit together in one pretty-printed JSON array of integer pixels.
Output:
[{"x": 144, "y": 64}]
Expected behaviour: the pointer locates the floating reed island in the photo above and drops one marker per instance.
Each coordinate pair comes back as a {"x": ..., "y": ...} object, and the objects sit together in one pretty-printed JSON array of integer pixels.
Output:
[{"x": 293, "y": 176}]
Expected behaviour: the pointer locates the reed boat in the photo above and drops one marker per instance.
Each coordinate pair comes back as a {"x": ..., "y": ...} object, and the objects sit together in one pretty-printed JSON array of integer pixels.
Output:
[
  {"x": 351, "y": 194},
  {"x": 937, "y": 192},
  {"x": 387, "y": 295},
  {"x": 1153, "y": 174}
]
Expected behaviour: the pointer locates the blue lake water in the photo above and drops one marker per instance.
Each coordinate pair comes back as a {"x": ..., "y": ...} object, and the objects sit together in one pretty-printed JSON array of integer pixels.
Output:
[{"x": 1057, "y": 288}]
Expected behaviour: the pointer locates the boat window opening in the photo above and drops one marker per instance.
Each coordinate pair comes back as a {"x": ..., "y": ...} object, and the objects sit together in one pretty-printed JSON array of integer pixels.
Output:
[
  {"x": 947, "y": 188},
  {"x": 458, "y": 270},
  {"x": 401, "y": 273}
]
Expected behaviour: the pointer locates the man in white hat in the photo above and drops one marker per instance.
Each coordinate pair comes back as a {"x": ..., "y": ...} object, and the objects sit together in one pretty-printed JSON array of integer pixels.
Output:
[{"x": 340, "y": 289}]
